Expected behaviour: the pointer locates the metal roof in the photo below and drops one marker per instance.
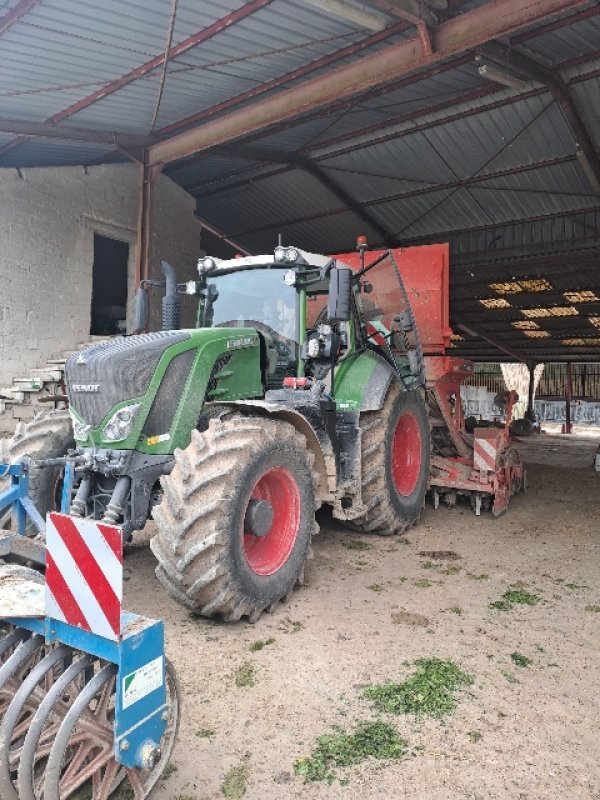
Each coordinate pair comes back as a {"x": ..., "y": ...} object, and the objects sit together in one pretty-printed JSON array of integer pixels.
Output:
[{"x": 508, "y": 173}]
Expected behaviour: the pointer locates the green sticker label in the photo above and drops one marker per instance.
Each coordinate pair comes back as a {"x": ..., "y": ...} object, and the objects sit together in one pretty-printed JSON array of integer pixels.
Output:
[{"x": 143, "y": 681}]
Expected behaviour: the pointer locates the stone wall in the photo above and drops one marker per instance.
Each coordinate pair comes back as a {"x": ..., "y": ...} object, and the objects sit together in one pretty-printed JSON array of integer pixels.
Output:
[{"x": 48, "y": 217}]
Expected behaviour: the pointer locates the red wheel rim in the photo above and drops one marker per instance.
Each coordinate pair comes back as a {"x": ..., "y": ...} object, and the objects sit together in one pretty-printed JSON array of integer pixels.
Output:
[
  {"x": 266, "y": 554},
  {"x": 406, "y": 454}
]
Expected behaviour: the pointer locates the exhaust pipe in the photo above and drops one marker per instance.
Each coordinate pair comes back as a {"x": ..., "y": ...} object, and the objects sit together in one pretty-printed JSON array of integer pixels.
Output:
[
  {"x": 140, "y": 321},
  {"x": 171, "y": 305}
]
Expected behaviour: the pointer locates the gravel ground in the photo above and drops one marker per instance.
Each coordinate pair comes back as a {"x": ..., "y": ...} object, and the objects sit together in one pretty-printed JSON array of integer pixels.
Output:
[{"x": 526, "y": 733}]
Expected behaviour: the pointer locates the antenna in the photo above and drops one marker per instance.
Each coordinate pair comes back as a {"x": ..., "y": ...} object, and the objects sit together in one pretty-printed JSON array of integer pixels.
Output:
[{"x": 279, "y": 243}]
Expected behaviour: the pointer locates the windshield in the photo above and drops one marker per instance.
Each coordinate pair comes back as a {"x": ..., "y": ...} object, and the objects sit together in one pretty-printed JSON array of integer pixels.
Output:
[{"x": 254, "y": 298}]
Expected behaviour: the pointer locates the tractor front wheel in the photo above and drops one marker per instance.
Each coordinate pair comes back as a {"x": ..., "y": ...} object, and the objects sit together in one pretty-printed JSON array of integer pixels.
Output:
[
  {"x": 395, "y": 463},
  {"x": 48, "y": 435},
  {"x": 236, "y": 518}
]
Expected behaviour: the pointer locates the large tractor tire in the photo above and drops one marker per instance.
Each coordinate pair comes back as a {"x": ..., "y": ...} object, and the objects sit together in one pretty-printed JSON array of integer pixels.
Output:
[
  {"x": 236, "y": 519},
  {"x": 395, "y": 463},
  {"x": 48, "y": 435}
]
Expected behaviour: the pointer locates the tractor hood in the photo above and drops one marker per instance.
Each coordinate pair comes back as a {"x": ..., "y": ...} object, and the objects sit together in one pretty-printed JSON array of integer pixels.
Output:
[
  {"x": 146, "y": 392},
  {"x": 101, "y": 377}
]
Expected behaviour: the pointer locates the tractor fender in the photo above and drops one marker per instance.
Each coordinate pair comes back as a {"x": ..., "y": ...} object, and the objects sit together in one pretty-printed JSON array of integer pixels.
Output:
[
  {"x": 320, "y": 447},
  {"x": 363, "y": 382}
]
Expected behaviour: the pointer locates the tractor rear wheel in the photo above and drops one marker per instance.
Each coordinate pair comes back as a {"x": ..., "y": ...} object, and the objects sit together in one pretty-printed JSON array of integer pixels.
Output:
[
  {"x": 236, "y": 518},
  {"x": 48, "y": 435},
  {"x": 395, "y": 463}
]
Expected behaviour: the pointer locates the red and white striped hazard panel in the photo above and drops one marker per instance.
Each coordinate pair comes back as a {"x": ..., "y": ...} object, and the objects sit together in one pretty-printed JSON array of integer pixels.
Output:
[
  {"x": 84, "y": 574},
  {"x": 484, "y": 453}
]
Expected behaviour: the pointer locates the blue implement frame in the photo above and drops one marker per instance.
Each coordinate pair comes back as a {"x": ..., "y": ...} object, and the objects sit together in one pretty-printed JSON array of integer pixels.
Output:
[
  {"x": 16, "y": 497},
  {"x": 141, "y": 711}
]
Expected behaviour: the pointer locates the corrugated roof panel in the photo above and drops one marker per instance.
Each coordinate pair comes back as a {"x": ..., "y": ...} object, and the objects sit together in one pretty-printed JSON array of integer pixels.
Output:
[
  {"x": 587, "y": 97},
  {"x": 409, "y": 158},
  {"x": 527, "y": 132},
  {"x": 540, "y": 192},
  {"x": 249, "y": 62},
  {"x": 130, "y": 109},
  {"x": 268, "y": 203},
  {"x": 544, "y": 191},
  {"x": 564, "y": 43},
  {"x": 50, "y": 152},
  {"x": 425, "y": 214},
  {"x": 331, "y": 234},
  {"x": 365, "y": 187},
  {"x": 35, "y": 106},
  {"x": 211, "y": 170},
  {"x": 407, "y": 126},
  {"x": 302, "y": 134}
]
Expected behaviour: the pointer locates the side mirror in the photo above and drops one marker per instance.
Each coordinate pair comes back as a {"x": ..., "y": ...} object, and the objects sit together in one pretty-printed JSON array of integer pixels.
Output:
[{"x": 340, "y": 294}]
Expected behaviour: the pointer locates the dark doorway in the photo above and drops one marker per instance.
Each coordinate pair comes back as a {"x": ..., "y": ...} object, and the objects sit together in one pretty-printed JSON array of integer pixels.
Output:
[{"x": 109, "y": 286}]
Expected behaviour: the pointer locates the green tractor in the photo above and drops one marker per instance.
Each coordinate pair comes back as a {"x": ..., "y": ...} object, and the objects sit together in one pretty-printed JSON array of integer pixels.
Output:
[{"x": 232, "y": 434}]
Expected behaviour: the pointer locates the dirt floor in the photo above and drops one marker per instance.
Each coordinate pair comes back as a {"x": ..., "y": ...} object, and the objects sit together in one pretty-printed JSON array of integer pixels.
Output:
[{"x": 518, "y": 733}]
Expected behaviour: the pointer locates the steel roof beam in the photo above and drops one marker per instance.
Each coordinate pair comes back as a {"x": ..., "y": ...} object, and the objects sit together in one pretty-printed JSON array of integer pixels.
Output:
[
  {"x": 458, "y": 35},
  {"x": 285, "y": 79},
  {"x": 15, "y": 14},
  {"x": 532, "y": 69},
  {"x": 48, "y": 131}
]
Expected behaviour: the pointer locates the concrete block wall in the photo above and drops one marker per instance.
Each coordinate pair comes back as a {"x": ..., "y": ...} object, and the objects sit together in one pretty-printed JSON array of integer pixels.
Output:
[{"x": 48, "y": 217}]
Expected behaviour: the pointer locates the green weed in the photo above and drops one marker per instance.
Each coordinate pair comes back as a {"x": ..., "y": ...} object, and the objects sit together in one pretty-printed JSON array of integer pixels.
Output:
[
  {"x": 338, "y": 749},
  {"x": 234, "y": 783},
  {"x": 245, "y": 674},
  {"x": 483, "y": 577},
  {"x": 593, "y": 609},
  {"x": 509, "y": 676},
  {"x": 520, "y": 660},
  {"x": 515, "y": 596},
  {"x": 423, "y": 583},
  {"x": 430, "y": 691},
  {"x": 205, "y": 733},
  {"x": 288, "y": 625},
  {"x": 169, "y": 770},
  {"x": 260, "y": 643},
  {"x": 455, "y": 610},
  {"x": 376, "y": 587},
  {"x": 356, "y": 544},
  {"x": 474, "y": 736}
]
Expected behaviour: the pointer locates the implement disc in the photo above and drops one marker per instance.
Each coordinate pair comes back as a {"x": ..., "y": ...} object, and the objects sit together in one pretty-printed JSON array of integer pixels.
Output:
[
  {"x": 20, "y": 713},
  {"x": 83, "y": 750},
  {"x": 46, "y": 724}
]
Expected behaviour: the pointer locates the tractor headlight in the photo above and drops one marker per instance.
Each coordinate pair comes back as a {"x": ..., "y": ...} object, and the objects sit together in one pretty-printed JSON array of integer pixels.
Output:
[
  {"x": 292, "y": 254},
  {"x": 120, "y": 425},
  {"x": 80, "y": 429},
  {"x": 279, "y": 253},
  {"x": 289, "y": 277}
]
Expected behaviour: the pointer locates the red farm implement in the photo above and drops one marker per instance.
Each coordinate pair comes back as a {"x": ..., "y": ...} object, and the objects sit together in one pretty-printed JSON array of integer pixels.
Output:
[{"x": 483, "y": 465}]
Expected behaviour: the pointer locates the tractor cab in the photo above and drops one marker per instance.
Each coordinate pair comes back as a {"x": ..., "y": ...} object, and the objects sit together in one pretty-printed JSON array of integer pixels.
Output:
[
  {"x": 311, "y": 310},
  {"x": 271, "y": 294}
]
